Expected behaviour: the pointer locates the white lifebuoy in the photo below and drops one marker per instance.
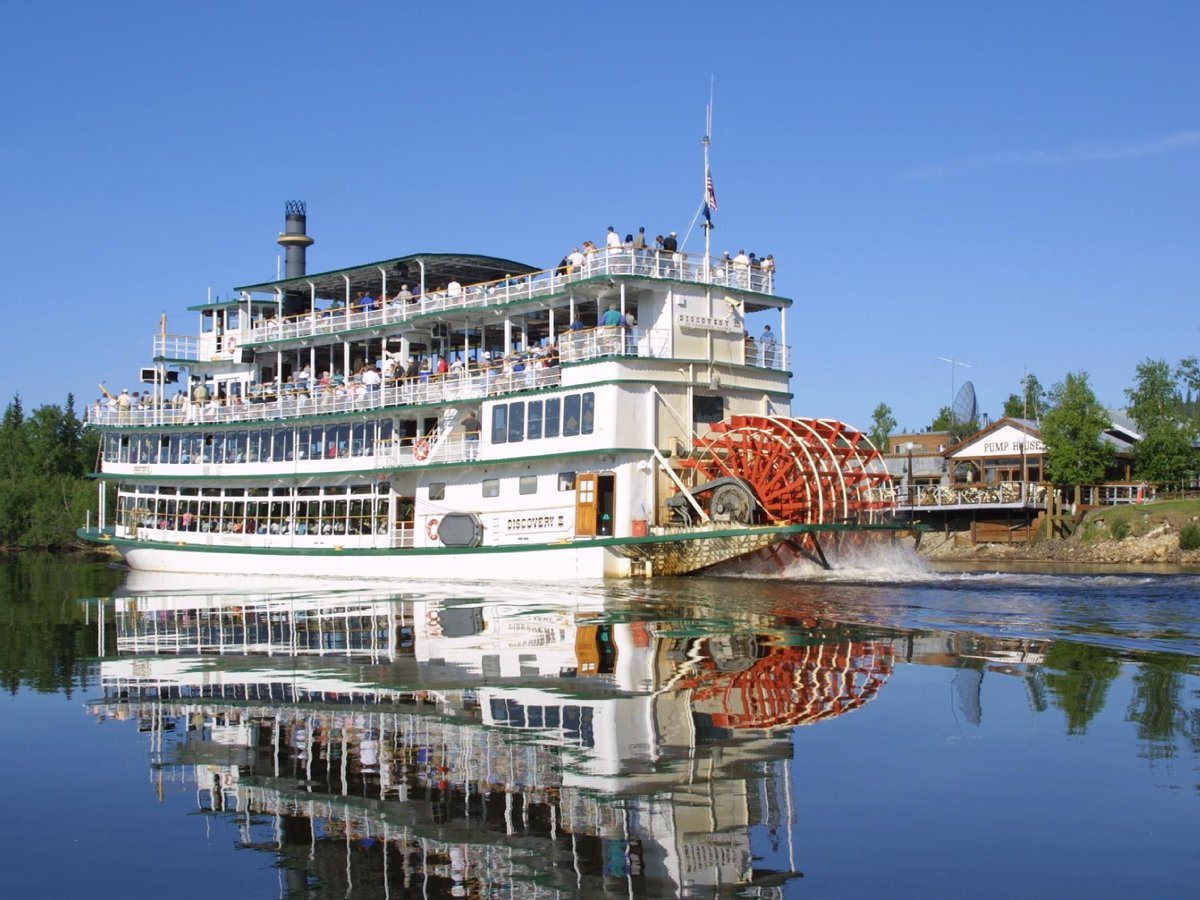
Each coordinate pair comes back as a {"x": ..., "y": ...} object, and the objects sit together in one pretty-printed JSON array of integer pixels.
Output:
[
  {"x": 432, "y": 529},
  {"x": 231, "y": 343},
  {"x": 421, "y": 449}
]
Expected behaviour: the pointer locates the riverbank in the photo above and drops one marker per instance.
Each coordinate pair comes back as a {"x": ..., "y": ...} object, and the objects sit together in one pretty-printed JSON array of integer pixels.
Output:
[{"x": 1117, "y": 535}]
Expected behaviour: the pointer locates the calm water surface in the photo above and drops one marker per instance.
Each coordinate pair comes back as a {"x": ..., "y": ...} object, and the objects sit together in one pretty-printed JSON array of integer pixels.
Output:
[{"x": 885, "y": 731}]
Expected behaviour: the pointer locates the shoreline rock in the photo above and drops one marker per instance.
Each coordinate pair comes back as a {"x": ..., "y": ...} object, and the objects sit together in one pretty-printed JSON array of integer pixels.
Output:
[{"x": 1160, "y": 547}]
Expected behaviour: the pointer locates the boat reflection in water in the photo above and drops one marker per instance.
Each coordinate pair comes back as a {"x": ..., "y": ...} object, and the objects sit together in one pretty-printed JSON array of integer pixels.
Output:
[{"x": 388, "y": 743}]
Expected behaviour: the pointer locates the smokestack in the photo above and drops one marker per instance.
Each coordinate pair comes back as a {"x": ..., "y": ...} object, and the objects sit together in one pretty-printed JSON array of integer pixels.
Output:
[{"x": 293, "y": 239}]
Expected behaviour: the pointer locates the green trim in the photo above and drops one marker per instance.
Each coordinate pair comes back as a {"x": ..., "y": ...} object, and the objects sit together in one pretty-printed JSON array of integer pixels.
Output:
[{"x": 95, "y": 536}]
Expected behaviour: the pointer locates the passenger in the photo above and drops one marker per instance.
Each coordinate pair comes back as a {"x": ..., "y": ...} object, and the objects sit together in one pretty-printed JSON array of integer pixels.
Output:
[
  {"x": 471, "y": 430},
  {"x": 404, "y": 295},
  {"x": 639, "y": 239},
  {"x": 766, "y": 346},
  {"x": 612, "y": 240}
]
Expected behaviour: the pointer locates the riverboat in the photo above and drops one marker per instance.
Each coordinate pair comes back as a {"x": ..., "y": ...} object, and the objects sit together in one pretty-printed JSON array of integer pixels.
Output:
[{"x": 437, "y": 415}]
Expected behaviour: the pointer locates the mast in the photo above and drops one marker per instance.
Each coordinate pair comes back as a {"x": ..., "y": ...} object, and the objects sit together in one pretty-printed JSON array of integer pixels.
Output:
[
  {"x": 707, "y": 226},
  {"x": 707, "y": 192}
]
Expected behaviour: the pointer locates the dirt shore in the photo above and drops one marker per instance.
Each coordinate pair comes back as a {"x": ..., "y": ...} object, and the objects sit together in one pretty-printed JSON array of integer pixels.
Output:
[{"x": 1130, "y": 535}]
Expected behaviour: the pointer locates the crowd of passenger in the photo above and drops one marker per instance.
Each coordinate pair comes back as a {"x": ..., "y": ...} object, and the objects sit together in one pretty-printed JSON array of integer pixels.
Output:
[
  {"x": 661, "y": 256},
  {"x": 499, "y": 373}
]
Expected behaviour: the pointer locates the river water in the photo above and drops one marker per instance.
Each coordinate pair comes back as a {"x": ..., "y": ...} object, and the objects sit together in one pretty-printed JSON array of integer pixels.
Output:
[{"x": 882, "y": 730}]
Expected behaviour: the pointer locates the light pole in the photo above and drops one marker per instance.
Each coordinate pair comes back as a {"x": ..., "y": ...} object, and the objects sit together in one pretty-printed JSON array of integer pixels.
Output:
[{"x": 910, "y": 446}]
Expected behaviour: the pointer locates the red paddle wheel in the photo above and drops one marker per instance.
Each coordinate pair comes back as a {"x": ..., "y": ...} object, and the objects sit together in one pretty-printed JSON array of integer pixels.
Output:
[{"x": 800, "y": 471}]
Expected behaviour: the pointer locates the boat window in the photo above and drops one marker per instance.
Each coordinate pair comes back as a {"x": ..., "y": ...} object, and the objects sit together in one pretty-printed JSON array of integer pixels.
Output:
[
  {"x": 491, "y": 487},
  {"x": 528, "y": 484},
  {"x": 437, "y": 490},
  {"x": 570, "y": 415},
  {"x": 553, "y": 405},
  {"x": 533, "y": 423},
  {"x": 588, "y": 416},
  {"x": 706, "y": 410},
  {"x": 499, "y": 423},
  {"x": 206, "y": 322},
  {"x": 235, "y": 447},
  {"x": 282, "y": 445},
  {"x": 566, "y": 481},
  {"x": 516, "y": 422}
]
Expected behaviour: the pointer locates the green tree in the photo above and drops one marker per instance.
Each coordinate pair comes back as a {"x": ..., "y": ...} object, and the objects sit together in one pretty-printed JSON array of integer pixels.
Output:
[
  {"x": 1030, "y": 403},
  {"x": 945, "y": 421},
  {"x": 44, "y": 457},
  {"x": 1188, "y": 374},
  {"x": 882, "y": 426},
  {"x": 1165, "y": 452},
  {"x": 1071, "y": 431}
]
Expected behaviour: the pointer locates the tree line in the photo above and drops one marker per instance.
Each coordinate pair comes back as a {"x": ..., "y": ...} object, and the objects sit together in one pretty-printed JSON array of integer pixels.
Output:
[
  {"x": 1164, "y": 402},
  {"x": 45, "y": 457}
]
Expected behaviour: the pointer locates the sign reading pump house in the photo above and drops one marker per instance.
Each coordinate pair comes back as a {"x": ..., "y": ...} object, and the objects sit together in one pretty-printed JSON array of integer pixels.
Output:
[{"x": 1006, "y": 441}]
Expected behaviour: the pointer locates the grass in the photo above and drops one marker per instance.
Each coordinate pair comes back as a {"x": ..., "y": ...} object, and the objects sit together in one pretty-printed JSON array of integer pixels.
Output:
[{"x": 1119, "y": 522}]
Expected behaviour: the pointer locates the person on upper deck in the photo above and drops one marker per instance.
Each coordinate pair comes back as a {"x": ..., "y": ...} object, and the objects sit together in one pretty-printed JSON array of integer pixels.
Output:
[
  {"x": 612, "y": 240},
  {"x": 670, "y": 244},
  {"x": 612, "y": 317},
  {"x": 766, "y": 346},
  {"x": 404, "y": 295},
  {"x": 639, "y": 239}
]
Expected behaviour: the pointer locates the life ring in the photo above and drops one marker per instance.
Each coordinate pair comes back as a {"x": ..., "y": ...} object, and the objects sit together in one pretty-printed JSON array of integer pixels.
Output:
[
  {"x": 231, "y": 343},
  {"x": 432, "y": 529},
  {"x": 421, "y": 449}
]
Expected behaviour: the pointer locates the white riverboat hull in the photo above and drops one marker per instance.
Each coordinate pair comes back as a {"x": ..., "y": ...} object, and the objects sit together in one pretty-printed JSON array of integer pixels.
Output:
[
  {"x": 677, "y": 553},
  {"x": 531, "y": 565}
]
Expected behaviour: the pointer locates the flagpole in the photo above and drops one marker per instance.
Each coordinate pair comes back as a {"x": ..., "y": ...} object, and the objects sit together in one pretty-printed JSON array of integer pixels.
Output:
[{"x": 707, "y": 222}]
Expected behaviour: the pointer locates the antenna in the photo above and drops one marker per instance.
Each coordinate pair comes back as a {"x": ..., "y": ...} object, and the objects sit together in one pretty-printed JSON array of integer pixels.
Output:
[{"x": 953, "y": 363}]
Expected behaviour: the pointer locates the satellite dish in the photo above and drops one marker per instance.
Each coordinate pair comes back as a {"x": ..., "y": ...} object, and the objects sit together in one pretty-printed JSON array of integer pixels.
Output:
[{"x": 964, "y": 409}]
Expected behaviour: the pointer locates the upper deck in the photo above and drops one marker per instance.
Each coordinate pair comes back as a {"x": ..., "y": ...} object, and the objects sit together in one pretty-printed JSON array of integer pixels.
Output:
[{"x": 547, "y": 304}]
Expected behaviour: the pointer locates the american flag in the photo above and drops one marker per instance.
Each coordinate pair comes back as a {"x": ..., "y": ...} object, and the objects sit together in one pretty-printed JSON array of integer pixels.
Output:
[{"x": 710, "y": 195}]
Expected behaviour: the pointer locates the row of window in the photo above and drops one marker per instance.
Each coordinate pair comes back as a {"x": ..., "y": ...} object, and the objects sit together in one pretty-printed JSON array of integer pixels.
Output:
[
  {"x": 568, "y": 416},
  {"x": 257, "y": 445},
  {"x": 332, "y": 509},
  {"x": 365, "y": 509}
]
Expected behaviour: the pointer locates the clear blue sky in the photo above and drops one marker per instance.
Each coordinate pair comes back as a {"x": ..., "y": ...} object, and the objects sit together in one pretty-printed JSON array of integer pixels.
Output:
[{"x": 1011, "y": 184}]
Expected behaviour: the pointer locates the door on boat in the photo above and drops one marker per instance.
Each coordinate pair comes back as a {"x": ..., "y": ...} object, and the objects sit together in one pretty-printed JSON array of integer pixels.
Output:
[
  {"x": 594, "y": 505},
  {"x": 585, "y": 504}
]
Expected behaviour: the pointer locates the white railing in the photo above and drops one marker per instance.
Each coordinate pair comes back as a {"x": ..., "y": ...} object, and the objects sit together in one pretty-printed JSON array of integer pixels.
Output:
[
  {"x": 296, "y": 400},
  {"x": 942, "y": 495},
  {"x": 176, "y": 346},
  {"x": 603, "y": 263}
]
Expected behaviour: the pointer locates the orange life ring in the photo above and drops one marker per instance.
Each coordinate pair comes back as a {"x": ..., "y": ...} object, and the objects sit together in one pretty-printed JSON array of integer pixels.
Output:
[
  {"x": 432, "y": 529},
  {"x": 421, "y": 449}
]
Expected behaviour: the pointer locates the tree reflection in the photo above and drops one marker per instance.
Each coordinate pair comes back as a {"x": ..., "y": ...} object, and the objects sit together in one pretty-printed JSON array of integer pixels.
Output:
[
  {"x": 1079, "y": 676},
  {"x": 1158, "y": 708}
]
